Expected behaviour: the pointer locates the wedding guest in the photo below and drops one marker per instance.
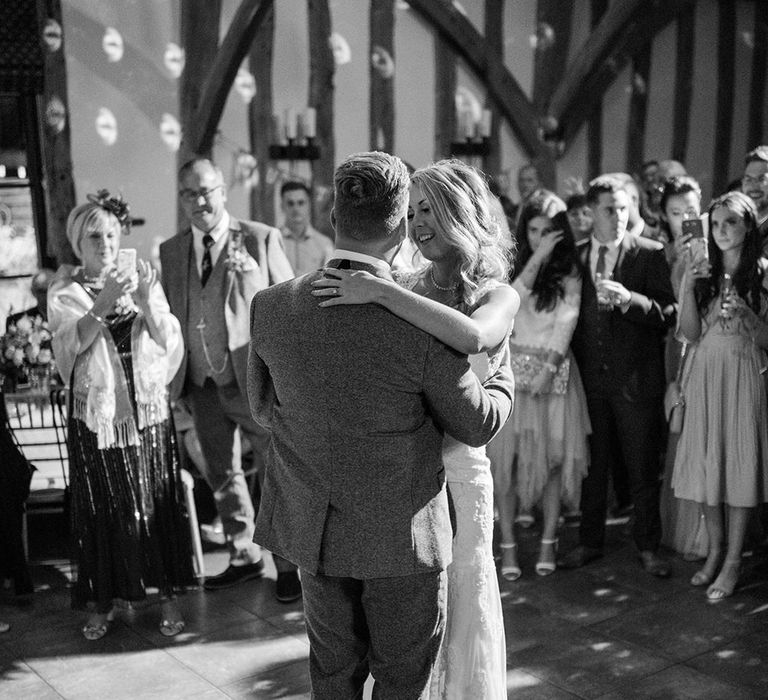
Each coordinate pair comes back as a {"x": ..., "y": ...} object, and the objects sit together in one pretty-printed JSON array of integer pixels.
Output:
[
  {"x": 118, "y": 346},
  {"x": 541, "y": 455},
  {"x": 41, "y": 280},
  {"x": 211, "y": 270},
  {"x": 720, "y": 460},
  {"x": 460, "y": 298},
  {"x": 618, "y": 347},
  {"x": 307, "y": 249},
  {"x": 579, "y": 217},
  {"x": 754, "y": 183}
]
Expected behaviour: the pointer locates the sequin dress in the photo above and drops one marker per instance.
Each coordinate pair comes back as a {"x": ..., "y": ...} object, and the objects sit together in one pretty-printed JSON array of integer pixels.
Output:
[{"x": 129, "y": 525}]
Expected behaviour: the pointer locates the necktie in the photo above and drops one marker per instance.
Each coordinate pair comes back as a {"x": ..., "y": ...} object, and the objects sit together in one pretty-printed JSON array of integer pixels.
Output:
[
  {"x": 600, "y": 269},
  {"x": 207, "y": 265}
]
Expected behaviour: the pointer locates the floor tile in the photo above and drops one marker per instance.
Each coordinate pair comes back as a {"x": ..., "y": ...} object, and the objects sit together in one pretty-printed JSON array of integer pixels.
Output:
[
  {"x": 743, "y": 662},
  {"x": 290, "y": 682},
  {"x": 678, "y": 683}
]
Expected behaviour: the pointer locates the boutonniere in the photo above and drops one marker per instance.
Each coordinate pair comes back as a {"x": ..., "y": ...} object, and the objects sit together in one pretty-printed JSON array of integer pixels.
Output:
[{"x": 238, "y": 257}]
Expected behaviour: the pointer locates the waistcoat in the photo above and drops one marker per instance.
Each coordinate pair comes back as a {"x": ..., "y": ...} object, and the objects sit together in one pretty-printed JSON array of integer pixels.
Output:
[{"x": 208, "y": 351}]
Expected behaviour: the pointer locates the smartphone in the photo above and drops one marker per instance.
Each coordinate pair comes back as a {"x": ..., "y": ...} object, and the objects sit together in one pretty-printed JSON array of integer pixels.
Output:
[
  {"x": 126, "y": 261},
  {"x": 697, "y": 241}
]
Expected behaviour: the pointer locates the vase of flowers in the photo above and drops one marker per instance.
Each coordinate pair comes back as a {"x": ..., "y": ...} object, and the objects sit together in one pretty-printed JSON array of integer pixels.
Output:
[{"x": 27, "y": 361}]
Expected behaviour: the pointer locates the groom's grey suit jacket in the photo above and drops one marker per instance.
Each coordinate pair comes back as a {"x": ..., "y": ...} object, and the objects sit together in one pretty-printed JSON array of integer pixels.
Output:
[{"x": 357, "y": 400}]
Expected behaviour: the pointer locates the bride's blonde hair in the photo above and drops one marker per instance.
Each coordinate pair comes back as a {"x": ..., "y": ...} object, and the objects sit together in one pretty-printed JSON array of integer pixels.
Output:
[{"x": 463, "y": 207}]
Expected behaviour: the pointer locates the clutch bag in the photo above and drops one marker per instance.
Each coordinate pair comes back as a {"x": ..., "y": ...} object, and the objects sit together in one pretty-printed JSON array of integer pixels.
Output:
[{"x": 527, "y": 364}]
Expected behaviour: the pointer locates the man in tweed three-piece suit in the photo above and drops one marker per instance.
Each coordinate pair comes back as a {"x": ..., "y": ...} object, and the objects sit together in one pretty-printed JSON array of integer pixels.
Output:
[{"x": 357, "y": 400}]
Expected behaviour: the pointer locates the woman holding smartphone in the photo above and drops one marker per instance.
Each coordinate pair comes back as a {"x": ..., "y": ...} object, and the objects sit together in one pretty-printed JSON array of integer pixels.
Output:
[
  {"x": 117, "y": 346},
  {"x": 720, "y": 460}
]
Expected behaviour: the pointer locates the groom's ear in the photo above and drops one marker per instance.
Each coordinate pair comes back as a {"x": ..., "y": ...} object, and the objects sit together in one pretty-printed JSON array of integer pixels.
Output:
[
  {"x": 332, "y": 217},
  {"x": 402, "y": 229}
]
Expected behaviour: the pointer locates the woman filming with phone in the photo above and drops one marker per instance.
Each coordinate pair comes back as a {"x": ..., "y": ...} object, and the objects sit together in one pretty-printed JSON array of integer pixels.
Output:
[
  {"x": 720, "y": 461},
  {"x": 117, "y": 346}
]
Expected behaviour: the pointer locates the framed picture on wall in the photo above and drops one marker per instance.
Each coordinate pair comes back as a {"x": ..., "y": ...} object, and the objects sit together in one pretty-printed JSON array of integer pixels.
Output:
[{"x": 18, "y": 242}]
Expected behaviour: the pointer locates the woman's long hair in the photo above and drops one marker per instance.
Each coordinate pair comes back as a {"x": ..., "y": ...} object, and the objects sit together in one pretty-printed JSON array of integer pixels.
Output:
[
  {"x": 748, "y": 278},
  {"x": 463, "y": 209},
  {"x": 549, "y": 285}
]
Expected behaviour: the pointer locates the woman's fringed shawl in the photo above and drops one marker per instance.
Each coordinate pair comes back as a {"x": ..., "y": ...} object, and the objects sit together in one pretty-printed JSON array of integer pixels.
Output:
[{"x": 95, "y": 375}]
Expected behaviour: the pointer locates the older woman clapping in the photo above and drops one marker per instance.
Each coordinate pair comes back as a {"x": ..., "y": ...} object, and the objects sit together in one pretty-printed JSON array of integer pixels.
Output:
[{"x": 117, "y": 346}]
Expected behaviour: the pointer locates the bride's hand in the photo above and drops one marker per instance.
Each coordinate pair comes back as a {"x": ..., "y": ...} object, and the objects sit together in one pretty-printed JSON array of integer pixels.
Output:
[{"x": 343, "y": 287}]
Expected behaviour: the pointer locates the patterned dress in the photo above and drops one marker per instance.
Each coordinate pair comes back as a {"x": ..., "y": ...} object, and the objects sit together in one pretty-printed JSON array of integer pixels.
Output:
[{"x": 129, "y": 525}]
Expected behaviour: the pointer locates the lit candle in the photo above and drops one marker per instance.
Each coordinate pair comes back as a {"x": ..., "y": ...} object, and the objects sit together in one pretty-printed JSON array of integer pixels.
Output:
[
  {"x": 469, "y": 125},
  {"x": 290, "y": 123},
  {"x": 485, "y": 124},
  {"x": 310, "y": 123}
]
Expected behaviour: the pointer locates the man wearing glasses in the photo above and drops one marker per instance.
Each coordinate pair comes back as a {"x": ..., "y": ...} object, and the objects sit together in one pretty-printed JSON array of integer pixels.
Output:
[
  {"x": 210, "y": 271},
  {"x": 754, "y": 184}
]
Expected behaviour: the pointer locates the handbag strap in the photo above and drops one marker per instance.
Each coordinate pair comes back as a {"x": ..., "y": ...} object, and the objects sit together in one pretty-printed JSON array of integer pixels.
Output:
[{"x": 686, "y": 357}]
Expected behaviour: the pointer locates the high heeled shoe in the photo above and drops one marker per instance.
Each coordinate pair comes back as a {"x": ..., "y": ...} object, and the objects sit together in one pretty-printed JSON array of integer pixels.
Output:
[
  {"x": 719, "y": 591},
  {"x": 545, "y": 568},
  {"x": 170, "y": 628},
  {"x": 93, "y": 631},
  {"x": 510, "y": 572}
]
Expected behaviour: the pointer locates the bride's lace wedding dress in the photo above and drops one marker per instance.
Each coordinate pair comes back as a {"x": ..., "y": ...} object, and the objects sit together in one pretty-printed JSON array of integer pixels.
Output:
[{"x": 472, "y": 660}]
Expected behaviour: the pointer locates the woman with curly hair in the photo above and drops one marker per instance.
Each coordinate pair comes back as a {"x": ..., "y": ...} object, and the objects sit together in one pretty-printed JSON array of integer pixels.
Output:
[
  {"x": 461, "y": 298},
  {"x": 541, "y": 453},
  {"x": 720, "y": 461}
]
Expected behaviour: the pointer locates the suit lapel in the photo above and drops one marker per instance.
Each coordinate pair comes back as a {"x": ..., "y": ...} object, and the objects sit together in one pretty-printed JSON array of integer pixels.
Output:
[
  {"x": 184, "y": 251},
  {"x": 626, "y": 257}
]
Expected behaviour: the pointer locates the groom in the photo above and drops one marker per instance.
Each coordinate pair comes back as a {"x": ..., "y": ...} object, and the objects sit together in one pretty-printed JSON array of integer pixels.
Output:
[{"x": 357, "y": 400}]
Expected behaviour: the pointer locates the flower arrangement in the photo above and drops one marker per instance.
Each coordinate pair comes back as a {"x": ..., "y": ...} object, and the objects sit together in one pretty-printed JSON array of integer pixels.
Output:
[
  {"x": 27, "y": 358},
  {"x": 238, "y": 257}
]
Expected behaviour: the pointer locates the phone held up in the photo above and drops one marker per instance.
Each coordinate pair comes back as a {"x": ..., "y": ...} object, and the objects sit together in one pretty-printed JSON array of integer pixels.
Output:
[
  {"x": 126, "y": 261},
  {"x": 693, "y": 229}
]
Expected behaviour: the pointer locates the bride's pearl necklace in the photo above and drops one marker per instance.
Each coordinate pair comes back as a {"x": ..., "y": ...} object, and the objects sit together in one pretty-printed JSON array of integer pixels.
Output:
[{"x": 451, "y": 288}]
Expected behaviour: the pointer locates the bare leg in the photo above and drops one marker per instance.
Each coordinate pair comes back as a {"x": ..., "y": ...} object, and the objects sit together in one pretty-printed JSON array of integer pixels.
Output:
[
  {"x": 506, "y": 502},
  {"x": 713, "y": 519},
  {"x": 550, "y": 504},
  {"x": 726, "y": 581}
]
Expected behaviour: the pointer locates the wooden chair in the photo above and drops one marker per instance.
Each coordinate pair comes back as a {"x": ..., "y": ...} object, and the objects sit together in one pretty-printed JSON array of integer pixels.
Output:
[{"x": 36, "y": 432}]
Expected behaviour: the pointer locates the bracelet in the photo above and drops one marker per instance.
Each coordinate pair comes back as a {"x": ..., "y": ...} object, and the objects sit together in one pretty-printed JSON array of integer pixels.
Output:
[
  {"x": 95, "y": 316},
  {"x": 551, "y": 366}
]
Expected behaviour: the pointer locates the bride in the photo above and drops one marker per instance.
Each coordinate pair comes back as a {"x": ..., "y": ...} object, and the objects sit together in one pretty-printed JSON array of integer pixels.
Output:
[{"x": 461, "y": 298}]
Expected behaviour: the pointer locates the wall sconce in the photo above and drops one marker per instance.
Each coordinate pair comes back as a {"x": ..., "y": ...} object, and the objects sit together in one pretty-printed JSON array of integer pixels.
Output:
[{"x": 296, "y": 135}]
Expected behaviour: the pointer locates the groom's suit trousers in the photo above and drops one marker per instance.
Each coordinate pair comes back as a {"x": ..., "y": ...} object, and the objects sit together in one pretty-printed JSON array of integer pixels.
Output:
[{"x": 390, "y": 627}]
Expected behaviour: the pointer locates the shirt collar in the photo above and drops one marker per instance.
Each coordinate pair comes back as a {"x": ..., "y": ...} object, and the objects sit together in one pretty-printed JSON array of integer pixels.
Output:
[
  {"x": 287, "y": 233},
  {"x": 219, "y": 230},
  {"x": 341, "y": 254}
]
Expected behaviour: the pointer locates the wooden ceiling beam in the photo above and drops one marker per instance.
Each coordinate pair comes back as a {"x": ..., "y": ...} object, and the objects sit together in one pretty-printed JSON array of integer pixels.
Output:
[
  {"x": 218, "y": 82},
  {"x": 624, "y": 30},
  {"x": 506, "y": 92}
]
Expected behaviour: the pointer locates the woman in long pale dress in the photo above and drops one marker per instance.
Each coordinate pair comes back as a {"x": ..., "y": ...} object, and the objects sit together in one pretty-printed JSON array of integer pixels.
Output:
[
  {"x": 460, "y": 297},
  {"x": 721, "y": 456},
  {"x": 541, "y": 454},
  {"x": 683, "y": 526}
]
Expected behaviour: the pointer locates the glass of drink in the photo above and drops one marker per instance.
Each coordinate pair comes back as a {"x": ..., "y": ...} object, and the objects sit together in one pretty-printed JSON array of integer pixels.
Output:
[{"x": 604, "y": 297}]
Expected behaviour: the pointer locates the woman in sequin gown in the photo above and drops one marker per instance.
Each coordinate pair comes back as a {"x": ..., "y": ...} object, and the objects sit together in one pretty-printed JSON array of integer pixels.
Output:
[
  {"x": 721, "y": 456},
  {"x": 117, "y": 346},
  {"x": 461, "y": 299}
]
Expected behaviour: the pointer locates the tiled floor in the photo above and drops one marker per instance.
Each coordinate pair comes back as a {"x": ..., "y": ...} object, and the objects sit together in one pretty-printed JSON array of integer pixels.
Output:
[{"x": 606, "y": 631}]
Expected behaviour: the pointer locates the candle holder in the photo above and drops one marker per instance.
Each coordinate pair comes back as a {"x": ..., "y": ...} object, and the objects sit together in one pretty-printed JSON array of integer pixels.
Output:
[
  {"x": 295, "y": 150},
  {"x": 471, "y": 147}
]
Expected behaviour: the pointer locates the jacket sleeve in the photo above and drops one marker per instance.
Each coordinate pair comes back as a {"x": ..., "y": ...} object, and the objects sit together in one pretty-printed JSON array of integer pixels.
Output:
[
  {"x": 468, "y": 410},
  {"x": 656, "y": 307},
  {"x": 259, "y": 384}
]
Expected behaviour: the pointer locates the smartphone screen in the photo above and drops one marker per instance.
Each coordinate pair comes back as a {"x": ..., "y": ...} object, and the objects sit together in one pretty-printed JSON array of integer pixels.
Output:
[{"x": 126, "y": 261}]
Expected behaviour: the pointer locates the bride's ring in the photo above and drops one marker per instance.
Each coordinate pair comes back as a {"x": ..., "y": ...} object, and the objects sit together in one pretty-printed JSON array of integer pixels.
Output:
[{"x": 337, "y": 291}]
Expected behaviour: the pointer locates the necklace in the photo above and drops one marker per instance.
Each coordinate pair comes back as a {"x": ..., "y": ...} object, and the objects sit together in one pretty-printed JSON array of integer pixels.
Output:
[{"x": 451, "y": 288}]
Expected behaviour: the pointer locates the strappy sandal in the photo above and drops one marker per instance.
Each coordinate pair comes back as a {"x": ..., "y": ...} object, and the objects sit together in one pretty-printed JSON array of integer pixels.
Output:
[
  {"x": 170, "y": 628},
  {"x": 545, "y": 568},
  {"x": 510, "y": 572},
  {"x": 718, "y": 591},
  {"x": 93, "y": 631}
]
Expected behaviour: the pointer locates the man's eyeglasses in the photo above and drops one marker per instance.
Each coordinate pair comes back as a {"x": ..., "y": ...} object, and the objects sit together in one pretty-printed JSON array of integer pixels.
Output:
[
  {"x": 192, "y": 196},
  {"x": 759, "y": 180}
]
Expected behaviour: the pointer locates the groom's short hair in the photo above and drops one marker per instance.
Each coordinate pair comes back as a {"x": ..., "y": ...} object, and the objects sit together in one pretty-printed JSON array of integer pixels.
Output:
[{"x": 370, "y": 195}]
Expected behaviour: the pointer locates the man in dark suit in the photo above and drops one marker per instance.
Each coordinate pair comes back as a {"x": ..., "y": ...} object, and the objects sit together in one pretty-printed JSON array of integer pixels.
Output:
[
  {"x": 356, "y": 400},
  {"x": 627, "y": 304},
  {"x": 210, "y": 272}
]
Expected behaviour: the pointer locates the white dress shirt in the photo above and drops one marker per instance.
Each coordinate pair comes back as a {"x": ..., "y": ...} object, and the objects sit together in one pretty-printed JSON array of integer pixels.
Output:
[
  {"x": 611, "y": 255},
  {"x": 341, "y": 254},
  {"x": 220, "y": 237}
]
